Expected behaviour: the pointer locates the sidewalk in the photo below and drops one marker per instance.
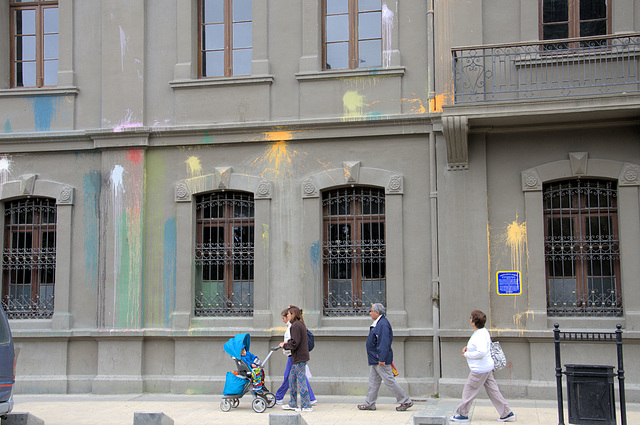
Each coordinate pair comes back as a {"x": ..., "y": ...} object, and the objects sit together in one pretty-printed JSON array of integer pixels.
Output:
[{"x": 70, "y": 409}]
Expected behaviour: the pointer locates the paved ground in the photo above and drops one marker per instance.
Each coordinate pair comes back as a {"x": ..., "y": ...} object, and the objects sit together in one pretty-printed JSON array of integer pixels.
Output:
[{"x": 205, "y": 409}]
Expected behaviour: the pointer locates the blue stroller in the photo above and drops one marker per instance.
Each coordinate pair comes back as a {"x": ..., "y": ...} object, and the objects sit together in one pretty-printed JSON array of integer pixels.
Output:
[{"x": 238, "y": 383}]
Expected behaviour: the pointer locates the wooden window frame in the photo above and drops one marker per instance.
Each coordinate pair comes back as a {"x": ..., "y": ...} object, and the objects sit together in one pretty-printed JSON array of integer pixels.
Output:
[
  {"x": 354, "y": 54},
  {"x": 228, "y": 40},
  {"x": 578, "y": 217},
  {"x": 38, "y": 6},
  {"x": 356, "y": 219},
  {"x": 29, "y": 258},
  {"x": 573, "y": 19},
  {"x": 227, "y": 222}
]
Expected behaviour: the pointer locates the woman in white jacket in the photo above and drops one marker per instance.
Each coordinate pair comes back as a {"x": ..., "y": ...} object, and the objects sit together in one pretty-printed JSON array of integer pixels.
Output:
[{"x": 478, "y": 355}]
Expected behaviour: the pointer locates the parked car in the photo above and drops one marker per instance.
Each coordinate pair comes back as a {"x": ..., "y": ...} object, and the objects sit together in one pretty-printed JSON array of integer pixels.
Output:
[{"x": 7, "y": 365}]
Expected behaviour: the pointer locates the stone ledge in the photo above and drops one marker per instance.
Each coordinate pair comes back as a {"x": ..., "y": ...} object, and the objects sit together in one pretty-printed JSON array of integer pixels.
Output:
[
  {"x": 22, "y": 418},
  {"x": 151, "y": 418},
  {"x": 286, "y": 418}
]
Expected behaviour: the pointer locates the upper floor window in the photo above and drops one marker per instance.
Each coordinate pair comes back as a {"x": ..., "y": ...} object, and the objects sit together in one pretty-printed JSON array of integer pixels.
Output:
[
  {"x": 352, "y": 33},
  {"x": 574, "y": 18},
  {"x": 354, "y": 250},
  {"x": 225, "y": 38},
  {"x": 34, "y": 43},
  {"x": 224, "y": 254},
  {"x": 582, "y": 250},
  {"x": 29, "y": 258}
]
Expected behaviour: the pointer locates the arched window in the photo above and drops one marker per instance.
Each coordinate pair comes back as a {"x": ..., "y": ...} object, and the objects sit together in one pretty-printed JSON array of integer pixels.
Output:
[
  {"x": 224, "y": 254},
  {"x": 29, "y": 258},
  {"x": 354, "y": 250},
  {"x": 582, "y": 252}
]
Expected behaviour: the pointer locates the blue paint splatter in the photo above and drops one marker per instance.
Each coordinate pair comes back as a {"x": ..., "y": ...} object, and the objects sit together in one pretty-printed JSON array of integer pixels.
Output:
[
  {"x": 44, "y": 111},
  {"x": 315, "y": 254},
  {"x": 7, "y": 127},
  {"x": 90, "y": 206},
  {"x": 169, "y": 268}
]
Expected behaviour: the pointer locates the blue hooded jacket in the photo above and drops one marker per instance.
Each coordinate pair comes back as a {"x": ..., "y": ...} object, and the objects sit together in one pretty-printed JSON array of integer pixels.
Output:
[
  {"x": 379, "y": 342},
  {"x": 234, "y": 347}
]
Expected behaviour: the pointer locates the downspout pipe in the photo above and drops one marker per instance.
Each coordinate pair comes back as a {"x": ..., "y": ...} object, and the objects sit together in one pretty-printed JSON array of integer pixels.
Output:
[{"x": 433, "y": 200}]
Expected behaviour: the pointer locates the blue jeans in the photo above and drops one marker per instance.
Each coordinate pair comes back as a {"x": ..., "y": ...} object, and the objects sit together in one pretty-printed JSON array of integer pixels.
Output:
[{"x": 282, "y": 391}]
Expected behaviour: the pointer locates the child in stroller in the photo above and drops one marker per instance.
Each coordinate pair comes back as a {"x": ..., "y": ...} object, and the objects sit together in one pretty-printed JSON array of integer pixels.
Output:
[{"x": 249, "y": 376}]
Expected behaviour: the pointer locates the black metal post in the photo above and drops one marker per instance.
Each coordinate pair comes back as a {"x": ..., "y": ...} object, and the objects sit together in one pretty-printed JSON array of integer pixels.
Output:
[
  {"x": 623, "y": 402},
  {"x": 556, "y": 341}
]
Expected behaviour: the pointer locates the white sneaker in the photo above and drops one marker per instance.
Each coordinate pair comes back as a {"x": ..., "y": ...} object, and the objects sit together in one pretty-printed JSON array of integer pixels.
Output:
[
  {"x": 304, "y": 409},
  {"x": 279, "y": 402},
  {"x": 287, "y": 407},
  {"x": 314, "y": 401}
]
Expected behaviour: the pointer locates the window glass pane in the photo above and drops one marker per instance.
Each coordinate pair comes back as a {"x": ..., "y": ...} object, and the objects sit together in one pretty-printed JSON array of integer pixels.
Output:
[
  {"x": 51, "y": 46},
  {"x": 25, "y": 22},
  {"x": 337, "y": 28},
  {"x": 26, "y": 74},
  {"x": 242, "y": 62},
  {"x": 593, "y": 28},
  {"x": 241, "y": 10},
  {"x": 337, "y": 56},
  {"x": 341, "y": 271},
  {"x": 593, "y": 9},
  {"x": 555, "y": 11},
  {"x": 213, "y": 11},
  {"x": 366, "y": 5},
  {"x": 51, "y": 20},
  {"x": 370, "y": 53},
  {"x": 213, "y": 65},
  {"x": 241, "y": 35},
  {"x": 370, "y": 25},
  {"x": 26, "y": 48},
  {"x": 51, "y": 73},
  {"x": 213, "y": 37},
  {"x": 553, "y": 32},
  {"x": 243, "y": 209},
  {"x": 337, "y": 6},
  {"x": 339, "y": 234}
]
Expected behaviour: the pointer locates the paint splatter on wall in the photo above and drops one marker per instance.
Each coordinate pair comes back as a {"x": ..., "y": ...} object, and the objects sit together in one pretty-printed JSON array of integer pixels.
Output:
[
  {"x": 5, "y": 170},
  {"x": 7, "y": 126},
  {"x": 387, "y": 27},
  {"x": 194, "y": 167},
  {"x": 91, "y": 189},
  {"x": 517, "y": 242},
  {"x": 44, "y": 110},
  {"x": 353, "y": 104}
]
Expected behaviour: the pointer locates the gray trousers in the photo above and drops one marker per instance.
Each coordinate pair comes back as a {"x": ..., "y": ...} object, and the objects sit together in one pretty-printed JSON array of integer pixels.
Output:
[
  {"x": 474, "y": 384},
  {"x": 379, "y": 374}
]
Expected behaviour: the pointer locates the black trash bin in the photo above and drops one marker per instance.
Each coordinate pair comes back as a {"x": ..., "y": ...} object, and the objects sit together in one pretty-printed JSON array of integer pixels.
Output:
[{"x": 590, "y": 394}]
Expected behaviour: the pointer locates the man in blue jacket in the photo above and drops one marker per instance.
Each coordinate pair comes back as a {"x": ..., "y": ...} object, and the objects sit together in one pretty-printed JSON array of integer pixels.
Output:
[{"x": 380, "y": 358}]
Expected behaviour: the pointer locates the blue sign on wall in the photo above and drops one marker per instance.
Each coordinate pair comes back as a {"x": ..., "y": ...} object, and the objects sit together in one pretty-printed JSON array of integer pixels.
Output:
[{"x": 508, "y": 283}]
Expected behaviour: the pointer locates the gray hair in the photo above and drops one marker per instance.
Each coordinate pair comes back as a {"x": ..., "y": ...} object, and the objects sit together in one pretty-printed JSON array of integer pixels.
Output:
[{"x": 379, "y": 308}]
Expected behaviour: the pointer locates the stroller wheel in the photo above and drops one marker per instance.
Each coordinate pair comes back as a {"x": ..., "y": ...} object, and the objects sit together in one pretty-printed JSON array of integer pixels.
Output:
[
  {"x": 259, "y": 405},
  {"x": 225, "y": 406},
  {"x": 235, "y": 403},
  {"x": 270, "y": 399}
]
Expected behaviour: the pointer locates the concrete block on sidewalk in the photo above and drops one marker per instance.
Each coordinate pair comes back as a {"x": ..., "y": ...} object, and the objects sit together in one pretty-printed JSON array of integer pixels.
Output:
[
  {"x": 22, "y": 418},
  {"x": 286, "y": 418},
  {"x": 436, "y": 414},
  {"x": 151, "y": 418}
]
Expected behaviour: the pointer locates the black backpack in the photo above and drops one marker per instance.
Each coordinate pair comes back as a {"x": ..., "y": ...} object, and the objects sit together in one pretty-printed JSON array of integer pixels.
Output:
[{"x": 310, "y": 339}]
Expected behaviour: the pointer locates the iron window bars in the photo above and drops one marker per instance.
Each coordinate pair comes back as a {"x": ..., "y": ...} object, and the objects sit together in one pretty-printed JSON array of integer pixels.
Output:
[
  {"x": 353, "y": 250},
  {"x": 224, "y": 254},
  {"x": 29, "y": 258}
]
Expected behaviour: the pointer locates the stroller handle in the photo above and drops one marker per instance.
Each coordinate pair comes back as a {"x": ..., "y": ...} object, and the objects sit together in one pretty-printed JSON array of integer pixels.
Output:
[{"x": 276, "y": 348}]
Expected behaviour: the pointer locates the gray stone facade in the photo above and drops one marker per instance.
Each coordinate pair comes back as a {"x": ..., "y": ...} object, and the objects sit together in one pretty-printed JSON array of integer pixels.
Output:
[{"x": 130, "y": 137}]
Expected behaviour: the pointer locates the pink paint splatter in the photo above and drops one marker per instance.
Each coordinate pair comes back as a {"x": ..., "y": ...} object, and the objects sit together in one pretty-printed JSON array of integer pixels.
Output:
[{"x": 135, "y": 156}]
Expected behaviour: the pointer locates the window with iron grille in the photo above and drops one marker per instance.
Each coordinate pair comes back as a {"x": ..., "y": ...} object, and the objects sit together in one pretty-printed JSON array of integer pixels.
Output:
[
  {"x": 354, "y": 250},
  {"x": 352, "y": 33},
  {"x": 582, "y": 250},
  {"x": 225, "y": 37},
  {"x": 29, "y": 258},
  {"x": 574, "y": 18},
  {"x": 34, "y": 43},
  {"x": 224, "y": 254}
]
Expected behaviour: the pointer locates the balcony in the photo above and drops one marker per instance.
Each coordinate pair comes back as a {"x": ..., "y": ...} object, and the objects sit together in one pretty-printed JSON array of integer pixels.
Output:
[{"x": 585, "y": 66}]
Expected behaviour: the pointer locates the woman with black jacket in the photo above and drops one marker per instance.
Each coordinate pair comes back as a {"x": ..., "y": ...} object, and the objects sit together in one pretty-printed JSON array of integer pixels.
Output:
[{"x": 299, "y": 347}]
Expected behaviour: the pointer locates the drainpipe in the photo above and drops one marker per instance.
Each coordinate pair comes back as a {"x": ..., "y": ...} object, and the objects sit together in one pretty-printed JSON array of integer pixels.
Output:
[{"x": 433, "y": 198}]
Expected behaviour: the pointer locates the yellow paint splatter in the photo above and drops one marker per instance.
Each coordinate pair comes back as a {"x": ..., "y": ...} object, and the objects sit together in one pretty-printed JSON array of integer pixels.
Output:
[
  {"x": 194, "y": 168},
  {"x": 436, "y": 104},
  {"x": 520, "y": 319},
  {"x": 265, "y": 236},
  {"x": 517, "y": 242},
  {"x": 416, "y": 106},
  {"x": 278, "y": 136},
  {"x": 353, "y": 104}
]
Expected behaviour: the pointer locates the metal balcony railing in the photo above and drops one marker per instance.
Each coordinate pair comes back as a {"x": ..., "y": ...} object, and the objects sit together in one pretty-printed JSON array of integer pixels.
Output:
[{"x": 547, "y": 69}]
